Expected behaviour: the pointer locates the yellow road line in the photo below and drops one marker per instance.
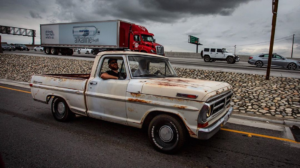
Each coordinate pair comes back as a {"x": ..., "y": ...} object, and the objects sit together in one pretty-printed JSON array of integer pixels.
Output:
[
  {"x": 14, "y": 89},
  {"x": 224, "y": 129},
  {"x": 258, "y": 135}
]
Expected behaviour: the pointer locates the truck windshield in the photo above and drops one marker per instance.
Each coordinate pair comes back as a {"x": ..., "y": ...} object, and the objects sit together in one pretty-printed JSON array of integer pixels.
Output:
[
  {"x": 147, "y": 38},
  {"x": 153, "y": 67}
]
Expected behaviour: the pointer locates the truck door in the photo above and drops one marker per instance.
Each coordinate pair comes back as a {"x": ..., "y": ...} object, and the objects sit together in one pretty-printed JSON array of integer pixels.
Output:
[
  {"x": 105, "y": 99},
  {"x": 212, "y": 53},
  {"x": 219, "y": 53},
  {"x": 136, "y": 42}
]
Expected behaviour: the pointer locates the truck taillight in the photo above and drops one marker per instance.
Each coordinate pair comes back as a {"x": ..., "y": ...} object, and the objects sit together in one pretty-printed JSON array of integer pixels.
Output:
[
  {"x": 30, "y": 85},
  {"x": 250, "y": 58}
]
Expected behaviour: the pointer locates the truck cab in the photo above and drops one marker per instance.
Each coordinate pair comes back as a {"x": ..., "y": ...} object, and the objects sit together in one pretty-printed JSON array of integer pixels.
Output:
[{"x": 143, "y": 41}]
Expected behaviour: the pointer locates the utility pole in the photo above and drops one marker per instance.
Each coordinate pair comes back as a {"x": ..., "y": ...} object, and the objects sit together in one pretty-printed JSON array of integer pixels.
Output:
[
  {"x": 0, "y": 46},
  {"x": 274, "y": 11},
  {"x": 292, "y": 46},
  {"x": 234, "y": 49}
]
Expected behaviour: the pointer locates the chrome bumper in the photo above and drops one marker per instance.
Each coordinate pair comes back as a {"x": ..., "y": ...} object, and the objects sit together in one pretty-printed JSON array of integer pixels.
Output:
[{"x": 206, "y": 133}]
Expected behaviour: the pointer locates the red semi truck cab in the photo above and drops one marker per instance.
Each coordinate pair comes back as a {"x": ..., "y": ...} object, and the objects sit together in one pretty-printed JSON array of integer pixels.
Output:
[{"x": 139, "y": 39}]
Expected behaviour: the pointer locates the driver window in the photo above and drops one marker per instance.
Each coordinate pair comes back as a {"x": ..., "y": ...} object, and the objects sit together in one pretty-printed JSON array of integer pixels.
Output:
[
  {"x": 110, "y": 64},
  {"x": 213, "y": 50}
]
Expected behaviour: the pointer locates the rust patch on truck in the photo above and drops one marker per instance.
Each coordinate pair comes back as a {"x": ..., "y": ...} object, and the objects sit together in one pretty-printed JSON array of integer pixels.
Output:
[
  {"x": 180, "y": 107},
  {"x": 139, "y": 101},
  {"x": 130, "y": 109},
  {"x": 190, "y": 131},
  {"x": 136, "y": 94}
]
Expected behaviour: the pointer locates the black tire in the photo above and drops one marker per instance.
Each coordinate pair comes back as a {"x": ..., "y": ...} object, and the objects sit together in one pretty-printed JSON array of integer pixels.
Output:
[
  {"x": 69, "y": 52},
  {"x": 206, "y": 58},
  {"x": 292, "y": 66},
  {"x": 166, "y": 133},
  {"x": 60, "y": 110},
  {"x": 54, "y": 51},
  {"x": 230, "y": 60},
  {"x": 47, "y": 50},
  {"x": 259, "y": 64}
]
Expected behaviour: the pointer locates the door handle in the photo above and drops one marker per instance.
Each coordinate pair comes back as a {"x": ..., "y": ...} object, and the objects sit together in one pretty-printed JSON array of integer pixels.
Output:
[{"x": 93, "y": 83}]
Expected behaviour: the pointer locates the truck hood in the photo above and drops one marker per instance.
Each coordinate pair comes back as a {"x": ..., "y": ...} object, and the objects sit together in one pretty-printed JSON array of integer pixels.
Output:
[
  {"x": 169, "y": 87},
  {"x": 151, "y": 45}
]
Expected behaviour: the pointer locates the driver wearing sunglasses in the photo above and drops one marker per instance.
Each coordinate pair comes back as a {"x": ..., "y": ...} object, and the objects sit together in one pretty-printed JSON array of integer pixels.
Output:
[{"x": 113, "y": 73}]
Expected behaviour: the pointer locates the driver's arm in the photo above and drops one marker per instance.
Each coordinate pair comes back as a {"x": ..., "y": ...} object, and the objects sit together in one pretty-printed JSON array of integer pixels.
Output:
[{"x": 107, "y": 76}]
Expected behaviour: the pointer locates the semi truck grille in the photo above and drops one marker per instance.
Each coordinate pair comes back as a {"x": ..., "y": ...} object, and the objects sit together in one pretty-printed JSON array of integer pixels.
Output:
[
  {"x": 219, "y": 103},
  {"x": 160, "y": 50}
]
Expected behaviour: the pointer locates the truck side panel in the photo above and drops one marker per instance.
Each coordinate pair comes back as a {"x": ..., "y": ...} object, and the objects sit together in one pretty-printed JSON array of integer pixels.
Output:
[
  {"x": 70, "y": 89},
  {"x": 88, "y": 34}
]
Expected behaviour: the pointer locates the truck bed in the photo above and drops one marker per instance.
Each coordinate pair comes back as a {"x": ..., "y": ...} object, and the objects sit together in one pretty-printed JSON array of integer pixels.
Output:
[{"x": 70, "y": 87}]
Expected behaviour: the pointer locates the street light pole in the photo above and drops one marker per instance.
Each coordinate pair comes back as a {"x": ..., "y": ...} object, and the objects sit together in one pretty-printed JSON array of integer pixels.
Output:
[{"x": 274, "y": 11}]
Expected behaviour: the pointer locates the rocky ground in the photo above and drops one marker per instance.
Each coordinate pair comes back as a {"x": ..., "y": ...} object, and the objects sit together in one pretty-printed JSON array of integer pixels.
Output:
[{"x": 278, "y": 97}]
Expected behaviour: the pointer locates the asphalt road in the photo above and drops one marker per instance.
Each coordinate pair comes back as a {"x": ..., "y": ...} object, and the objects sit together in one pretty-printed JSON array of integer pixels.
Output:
[
  {"x": 241, "y": 67},
  {"x": 30, "y": 137}
]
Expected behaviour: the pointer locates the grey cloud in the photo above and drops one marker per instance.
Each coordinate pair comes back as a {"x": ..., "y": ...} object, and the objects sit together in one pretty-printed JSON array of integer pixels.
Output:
[
  {"x": 35, "y": 15},
  {"x": 151, "y": 10}
]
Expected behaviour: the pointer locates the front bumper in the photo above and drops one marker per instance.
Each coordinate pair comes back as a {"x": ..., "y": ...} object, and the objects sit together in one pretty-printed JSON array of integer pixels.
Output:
[
  {"x": 208, "y": 132},
  {"x": 252, "y": 62}
]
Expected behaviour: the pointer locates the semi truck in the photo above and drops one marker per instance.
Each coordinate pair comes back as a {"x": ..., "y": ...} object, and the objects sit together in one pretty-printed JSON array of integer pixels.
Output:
[{"x": 99, "y": 35}]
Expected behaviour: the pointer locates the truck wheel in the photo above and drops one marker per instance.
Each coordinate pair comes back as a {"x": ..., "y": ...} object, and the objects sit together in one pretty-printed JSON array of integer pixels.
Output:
[
  {"x": 259, "y": 64},
  {"x": 166, "y": 133},
  {"x": 54, "y": 51},
  {"x": 230, "y": 60},
  {"x": 60, "y": 110},
  {"x": 47, "y": 50},
  {"x": 206, "y": 58},
  {"x": 69, "y": 52}
]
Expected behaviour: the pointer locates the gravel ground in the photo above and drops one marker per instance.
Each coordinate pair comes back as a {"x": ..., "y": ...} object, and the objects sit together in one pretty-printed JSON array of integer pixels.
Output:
[{"x": 278, "y": 97}]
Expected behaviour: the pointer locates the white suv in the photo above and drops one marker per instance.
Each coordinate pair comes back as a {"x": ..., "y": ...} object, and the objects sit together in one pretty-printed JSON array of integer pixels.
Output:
[{"x": 213, "y": 54}]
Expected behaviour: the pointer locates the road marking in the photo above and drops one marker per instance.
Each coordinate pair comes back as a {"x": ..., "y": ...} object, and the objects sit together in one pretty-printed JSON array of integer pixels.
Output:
[
  {"x": 249, "y": 134},
  {"x": 14, "y": 89}
]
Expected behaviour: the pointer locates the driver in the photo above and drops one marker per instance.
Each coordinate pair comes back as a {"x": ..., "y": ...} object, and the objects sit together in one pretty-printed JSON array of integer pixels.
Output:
[
  {"x": 114, "y": 72},
  {"x": 142, "y": 68}
]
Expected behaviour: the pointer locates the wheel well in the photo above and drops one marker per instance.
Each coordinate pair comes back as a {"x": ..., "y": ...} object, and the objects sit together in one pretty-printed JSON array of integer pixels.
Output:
[{"x": 153, "y": 114}]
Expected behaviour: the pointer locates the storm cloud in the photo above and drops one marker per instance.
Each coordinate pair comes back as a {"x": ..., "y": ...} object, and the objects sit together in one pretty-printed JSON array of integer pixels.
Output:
[{"x": 150, "y": 10}]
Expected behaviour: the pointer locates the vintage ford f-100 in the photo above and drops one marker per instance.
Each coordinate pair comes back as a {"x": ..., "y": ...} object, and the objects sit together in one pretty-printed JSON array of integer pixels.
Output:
[{"x": 147, "y": 96}]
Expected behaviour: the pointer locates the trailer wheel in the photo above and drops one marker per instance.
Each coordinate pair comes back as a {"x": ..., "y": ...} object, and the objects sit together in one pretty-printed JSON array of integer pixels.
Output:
[
  {"x": 47, "y": 50},
  {"x": 54, "y": 51},
  {"x": 69, "y": 52},
  {"x": 60, "y": 110},
  {"x": 166, "y": 133}
]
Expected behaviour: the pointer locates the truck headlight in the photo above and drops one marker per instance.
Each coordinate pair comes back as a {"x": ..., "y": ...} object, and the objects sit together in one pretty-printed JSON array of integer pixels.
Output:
[
  {"x": 205, "y": 112},
  {"x": 152, "y": 51}
]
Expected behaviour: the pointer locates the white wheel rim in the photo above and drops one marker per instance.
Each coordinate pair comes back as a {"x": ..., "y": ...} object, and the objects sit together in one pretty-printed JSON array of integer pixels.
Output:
[
  {"x": 61, "y": 107},
  {"x": 166, "y": 133}
]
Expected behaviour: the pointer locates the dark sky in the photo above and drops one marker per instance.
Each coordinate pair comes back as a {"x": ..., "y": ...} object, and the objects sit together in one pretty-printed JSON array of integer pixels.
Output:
[{"x": 218, "y": 23}]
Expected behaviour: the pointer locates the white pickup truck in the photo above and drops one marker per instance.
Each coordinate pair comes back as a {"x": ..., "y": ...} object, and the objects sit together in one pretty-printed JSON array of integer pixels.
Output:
[{"x": 169, "y": 107}]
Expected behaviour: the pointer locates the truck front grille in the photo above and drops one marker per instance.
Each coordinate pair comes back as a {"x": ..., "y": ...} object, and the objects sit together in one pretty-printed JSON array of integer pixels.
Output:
[
  {"x": 219, "y": 103},
  {"x": 160, "y": 50}
]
